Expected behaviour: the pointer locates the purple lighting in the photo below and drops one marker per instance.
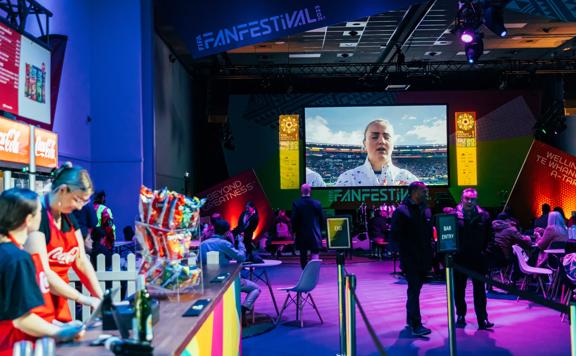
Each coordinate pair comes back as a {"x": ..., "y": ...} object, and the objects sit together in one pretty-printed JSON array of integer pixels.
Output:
[{"x": 467, "y": 37}]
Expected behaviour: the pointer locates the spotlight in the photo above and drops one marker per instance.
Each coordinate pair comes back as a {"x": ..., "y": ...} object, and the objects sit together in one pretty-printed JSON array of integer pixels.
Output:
[
  {"x": 494, "y": 16},
  {"x": 468, "y": 19},
  {"x": 467, "y": 36},
  {"x": 474, "y": 49}
]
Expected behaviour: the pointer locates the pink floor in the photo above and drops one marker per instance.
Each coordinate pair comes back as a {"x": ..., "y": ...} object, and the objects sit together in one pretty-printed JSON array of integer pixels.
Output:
[{"x": 521, "y": 328}]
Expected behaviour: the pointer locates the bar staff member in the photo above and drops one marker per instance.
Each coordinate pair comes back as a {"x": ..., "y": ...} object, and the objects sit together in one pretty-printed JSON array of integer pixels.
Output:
[
  {"x": 71, "y": 190},
  {"x": 22, "y": 305}
]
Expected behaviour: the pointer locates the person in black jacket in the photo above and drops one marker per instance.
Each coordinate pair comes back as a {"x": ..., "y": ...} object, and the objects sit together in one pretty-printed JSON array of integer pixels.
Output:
[
  {"x": 307, "y": 220},
  {"x": 247, "y": 224},
  {"x": 412, "y": 230},
  {"x": 475, "y": 234}
]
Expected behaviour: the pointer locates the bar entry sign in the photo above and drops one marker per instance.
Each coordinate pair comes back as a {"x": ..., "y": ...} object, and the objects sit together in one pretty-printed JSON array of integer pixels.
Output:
[{"x": 447, "y": 230}]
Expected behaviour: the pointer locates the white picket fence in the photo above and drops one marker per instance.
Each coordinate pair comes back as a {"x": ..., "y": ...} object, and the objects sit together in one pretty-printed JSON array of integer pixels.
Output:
[{"x": 116, "y": 276}]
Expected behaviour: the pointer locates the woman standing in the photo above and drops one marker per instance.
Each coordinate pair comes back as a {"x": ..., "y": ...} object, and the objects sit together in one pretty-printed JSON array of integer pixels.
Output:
[
  {"x": 24, "y": 313},
  {"x": 71, "y": 190}
]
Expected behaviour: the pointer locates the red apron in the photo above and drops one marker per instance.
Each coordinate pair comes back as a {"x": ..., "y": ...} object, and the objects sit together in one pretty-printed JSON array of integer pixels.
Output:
[
  {"x": 62, "y": 252},
  {"x": 9, "y": 335},
  {"x": 45, "y": 311}
]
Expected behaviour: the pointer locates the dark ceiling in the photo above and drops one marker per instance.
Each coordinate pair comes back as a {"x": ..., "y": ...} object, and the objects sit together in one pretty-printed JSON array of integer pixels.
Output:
[{"x": 541, "y": 40}]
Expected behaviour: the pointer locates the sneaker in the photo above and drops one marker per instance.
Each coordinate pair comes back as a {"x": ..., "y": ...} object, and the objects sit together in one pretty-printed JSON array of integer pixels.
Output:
[
  {"x": 485, "y": 325},
  {"x": 420, "y": 331},
  {"x": 460, "y": 321}
]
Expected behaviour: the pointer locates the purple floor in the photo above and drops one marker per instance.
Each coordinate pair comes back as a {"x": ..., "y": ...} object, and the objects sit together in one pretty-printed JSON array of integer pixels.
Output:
[{"x": 521, "y": 328}]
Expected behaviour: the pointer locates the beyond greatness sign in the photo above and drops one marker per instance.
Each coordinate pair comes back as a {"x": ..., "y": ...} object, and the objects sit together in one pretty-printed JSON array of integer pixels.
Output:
[
  {"x": 548, "y": 176},
  {"x": 229, "y": 198}
]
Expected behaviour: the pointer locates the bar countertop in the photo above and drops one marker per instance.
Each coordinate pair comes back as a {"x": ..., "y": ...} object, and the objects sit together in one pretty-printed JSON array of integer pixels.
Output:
[{"x": 172, "y": 332}]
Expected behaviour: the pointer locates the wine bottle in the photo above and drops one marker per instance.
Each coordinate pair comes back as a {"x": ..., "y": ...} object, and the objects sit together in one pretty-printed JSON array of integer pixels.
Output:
[{"x": 142, "y": 321}]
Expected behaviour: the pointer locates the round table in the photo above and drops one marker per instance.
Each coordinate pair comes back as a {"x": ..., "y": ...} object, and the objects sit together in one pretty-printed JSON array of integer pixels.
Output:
[{"x": 263, "y": 276}]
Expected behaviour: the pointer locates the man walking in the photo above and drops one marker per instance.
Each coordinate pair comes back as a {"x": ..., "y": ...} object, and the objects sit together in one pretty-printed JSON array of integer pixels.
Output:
[
  {"x": 474, "y": 232},
  {"x": 307, "y": 219},
  {"x": 412, "y": 230}
]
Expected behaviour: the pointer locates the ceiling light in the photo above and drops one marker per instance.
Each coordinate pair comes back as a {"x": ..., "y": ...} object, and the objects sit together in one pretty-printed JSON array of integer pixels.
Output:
[
  {"x": 356, "y": 24},
  {"x": 304, "y": 55},
  {"x": 474, "y": 49},
  {"x": 494, "y": 17},
  {"x": 348, "y": 44}
]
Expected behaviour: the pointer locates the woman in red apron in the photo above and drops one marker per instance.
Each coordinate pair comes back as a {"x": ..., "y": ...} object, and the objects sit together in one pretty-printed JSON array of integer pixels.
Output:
[
  {"x": 72, "y": 189},
  {"x": 24, "y": 313}
]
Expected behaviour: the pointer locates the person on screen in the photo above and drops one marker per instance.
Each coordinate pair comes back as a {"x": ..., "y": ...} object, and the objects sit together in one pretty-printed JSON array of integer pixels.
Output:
[
  {"x": 314, "y": 178},
  {"x": 378, "y": 168}
]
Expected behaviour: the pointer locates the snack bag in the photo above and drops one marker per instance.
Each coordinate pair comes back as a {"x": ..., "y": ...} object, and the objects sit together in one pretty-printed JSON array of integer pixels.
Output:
[
  {"x": 145, "y": 202},
  {"x": 146, "y": 239},
  {"x": 176, "y": 211},
  {"x": 158, "y": 204}
]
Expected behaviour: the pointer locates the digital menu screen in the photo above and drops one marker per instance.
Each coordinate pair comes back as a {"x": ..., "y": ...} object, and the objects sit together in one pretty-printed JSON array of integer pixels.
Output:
[{"x": 24, "y": 76}]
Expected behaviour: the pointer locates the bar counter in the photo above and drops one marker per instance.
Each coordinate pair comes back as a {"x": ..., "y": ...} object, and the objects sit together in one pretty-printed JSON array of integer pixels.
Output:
[{"x": 217, "y": 331}]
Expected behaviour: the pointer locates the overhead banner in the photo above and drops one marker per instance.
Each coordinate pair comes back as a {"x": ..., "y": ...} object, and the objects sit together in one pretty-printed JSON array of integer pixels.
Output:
[
  {"x": 548, "y": 176},
  {"x": 209, "y": 27},
  {"x": 466, "y": 160},
  {"x": 46, "y": 148},
  {"x": 14, "y": 142},
  {"x": 229, "y": 198},
  {"x": 289, "y": 129}
]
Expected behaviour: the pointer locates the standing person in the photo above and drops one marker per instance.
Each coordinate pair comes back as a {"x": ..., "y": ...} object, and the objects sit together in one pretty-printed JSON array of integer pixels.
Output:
[
  {"x": 247, "y": 224},
  {"x": 413, "y": 231},
  {"x": 26, "y": 311},
  {"x": 307, "y": 221},
  {"x": 87, "y": 220},
  {"x": 105, "y": 219},
  {"x": 71, "y": 190},
  {"x": 475, "y": 234}
]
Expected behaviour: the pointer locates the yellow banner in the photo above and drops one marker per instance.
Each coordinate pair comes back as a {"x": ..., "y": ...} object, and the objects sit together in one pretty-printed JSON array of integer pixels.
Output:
[
  {"x": 466, "y": 160},
  {"x": 289, "y": 144}
]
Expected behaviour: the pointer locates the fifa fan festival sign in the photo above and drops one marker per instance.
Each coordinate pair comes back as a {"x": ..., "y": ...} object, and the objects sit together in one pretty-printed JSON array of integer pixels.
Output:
[
  {"x": 14, "y": 142},
  {"x": 289, "y": 151},
  {"x": 466, "y": 160}
]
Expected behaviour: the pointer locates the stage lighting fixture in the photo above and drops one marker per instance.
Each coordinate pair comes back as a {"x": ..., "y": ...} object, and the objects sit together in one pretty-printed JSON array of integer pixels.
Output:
[
  {"x": 468, "y": 19},
  {"x": 494, "y": 17},
  {"x": 474, "y": 49},
  {"x": 467, "y": 36}
]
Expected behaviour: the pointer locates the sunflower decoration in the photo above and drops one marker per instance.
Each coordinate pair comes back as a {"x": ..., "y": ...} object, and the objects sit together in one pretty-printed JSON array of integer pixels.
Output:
[
  {"x": 465, "y": 122},
  {"x": 289, "y": 125}
]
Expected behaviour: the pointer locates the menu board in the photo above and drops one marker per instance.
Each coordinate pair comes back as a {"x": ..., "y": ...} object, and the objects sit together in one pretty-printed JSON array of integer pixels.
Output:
[{"x": 24, "y": 76}]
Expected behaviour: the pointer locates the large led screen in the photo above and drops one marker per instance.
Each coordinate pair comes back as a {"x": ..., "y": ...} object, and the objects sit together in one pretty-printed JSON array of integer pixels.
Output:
[{"x": 376, "y": 145}]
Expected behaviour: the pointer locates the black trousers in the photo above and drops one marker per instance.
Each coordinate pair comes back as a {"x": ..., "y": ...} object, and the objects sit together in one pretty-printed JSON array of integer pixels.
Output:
[
  {"x": 415, "y": 279},
  {"x": 304, "y": 255},
  {"x": 460, "y": 281}
]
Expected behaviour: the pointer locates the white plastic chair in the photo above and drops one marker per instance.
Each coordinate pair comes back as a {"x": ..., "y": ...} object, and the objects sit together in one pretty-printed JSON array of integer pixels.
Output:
[
  {"x": 528, "y": 270},
  {"x": 306, "y": 284}
]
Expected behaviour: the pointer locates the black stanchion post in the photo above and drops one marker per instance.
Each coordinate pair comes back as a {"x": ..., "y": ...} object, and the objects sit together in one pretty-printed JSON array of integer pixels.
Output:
[
  {"x": 573, "y": 328},
  {"x": 350, "y": 315},
  {"x": 341, "y": 300},
  {"x": 450, "y": 300}
]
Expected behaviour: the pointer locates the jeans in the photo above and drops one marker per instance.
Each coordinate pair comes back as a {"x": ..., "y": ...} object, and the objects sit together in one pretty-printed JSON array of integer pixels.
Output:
[{"x": 247, "y": 286}]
